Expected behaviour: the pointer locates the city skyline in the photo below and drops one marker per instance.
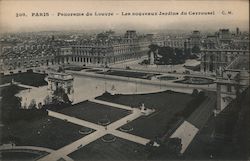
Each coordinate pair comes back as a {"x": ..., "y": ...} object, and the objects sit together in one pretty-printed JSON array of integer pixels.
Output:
[{"x": 124, "y": 80}]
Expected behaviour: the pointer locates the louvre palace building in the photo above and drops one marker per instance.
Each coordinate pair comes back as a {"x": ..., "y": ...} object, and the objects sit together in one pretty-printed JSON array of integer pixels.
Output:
[
  {"x": 220, "y": 49},
  {"x": 99, "y": 50},
  {"x": 105, "y": 49}
]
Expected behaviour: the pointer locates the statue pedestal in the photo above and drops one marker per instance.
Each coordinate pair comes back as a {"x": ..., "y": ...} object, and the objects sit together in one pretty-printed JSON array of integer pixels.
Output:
[{"x": 146, "y": 111}]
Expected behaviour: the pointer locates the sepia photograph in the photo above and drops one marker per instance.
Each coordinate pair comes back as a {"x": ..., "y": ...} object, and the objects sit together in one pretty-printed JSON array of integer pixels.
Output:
[{"x": 124, "y": 80}]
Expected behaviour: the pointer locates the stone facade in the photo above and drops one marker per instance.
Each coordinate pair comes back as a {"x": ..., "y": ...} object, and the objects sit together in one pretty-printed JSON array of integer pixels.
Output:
[
  {"x": 63, "y": 81},
  {"x": 105, "y": 50},
  {"x": 21, "y": 59},
  {"x": 232, "y": 81},
  {"x": 214, "y": 61}
]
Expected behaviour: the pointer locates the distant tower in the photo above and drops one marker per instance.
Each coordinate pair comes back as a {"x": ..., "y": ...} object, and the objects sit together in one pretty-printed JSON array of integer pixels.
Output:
[
  {"x": 130, "y": 34},
  {"x": 63, "y": 81},
  {"x": 195, "y": 38},
  {"x": 237, "y": 31}
]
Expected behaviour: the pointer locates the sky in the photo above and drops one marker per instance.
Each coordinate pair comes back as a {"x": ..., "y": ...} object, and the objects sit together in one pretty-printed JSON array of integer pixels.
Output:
[{"x": 237, "y": 15}]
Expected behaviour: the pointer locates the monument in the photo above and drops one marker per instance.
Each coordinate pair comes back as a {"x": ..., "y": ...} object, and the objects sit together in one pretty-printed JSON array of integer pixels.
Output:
[{"x": 61, "y": 82}]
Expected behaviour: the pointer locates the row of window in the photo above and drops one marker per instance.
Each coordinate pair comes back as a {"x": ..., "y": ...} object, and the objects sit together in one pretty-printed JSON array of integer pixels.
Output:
[{"x": 27, "y": 57}]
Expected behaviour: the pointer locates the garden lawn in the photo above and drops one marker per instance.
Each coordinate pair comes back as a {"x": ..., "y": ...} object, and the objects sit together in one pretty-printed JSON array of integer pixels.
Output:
[
  {"x": 131, "y": 74},
  {"x": 4, "y": 88},
  {"x": 94, "y": 112},
  {"x": 14, "y": 156},
  {"x": 27, "y": 78},
  {"x": 196, "y": 80},
  {"x": 118, "y": 150},
  {"x": 46, "y": 132},
  {"x": 166, "y": 104}
]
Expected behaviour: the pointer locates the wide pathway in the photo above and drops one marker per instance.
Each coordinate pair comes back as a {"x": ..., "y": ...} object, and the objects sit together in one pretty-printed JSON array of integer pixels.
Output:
[
  {"x": 75, "y": 120},
  {"x": 111, "y": 104},
  {"x": 201, "y": 115},
  {"x": 25, "y": 86},
  {"x": 18, "y": 84},
  {"x": 56, "y": 155},
  {"x": 100, "y": 130},
  {"x": 195, "y": 122},
  {"x": 31, "y": 148},
  {"x": 4, "y": 85},
  {"x": 186, "y": 132},
  {"x": 130, "y": 137},
  {"x": 154, "y": 82},
  {"x": 134, "y": 115}
]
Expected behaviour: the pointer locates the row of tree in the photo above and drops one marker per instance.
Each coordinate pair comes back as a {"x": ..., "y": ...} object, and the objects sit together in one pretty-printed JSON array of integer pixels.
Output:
[
  {"x": 172, "y": 56},
  {"x": 12, "y": 110}
]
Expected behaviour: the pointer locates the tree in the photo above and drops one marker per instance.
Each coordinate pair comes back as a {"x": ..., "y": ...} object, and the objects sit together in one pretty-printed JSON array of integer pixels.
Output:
[
  {"x": 32, "y": 104},
  {"x": 60, "y": 96},
  {"x": 39, "y": 106},
  {"x": 168, "y": 148},
  {"x": 153, "y": 47},
  {"x": 9, "y": 103},
  {"x": 174, "y": 145},
  {"x": 202, "y": 94},
  {"x": 47, "y": 100},
  {"x": 65, "y": 98},
  {"x": 10, "y": 91},
  {"x": 196, "y": 49},
  {"x": 195, "y": 92}
]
